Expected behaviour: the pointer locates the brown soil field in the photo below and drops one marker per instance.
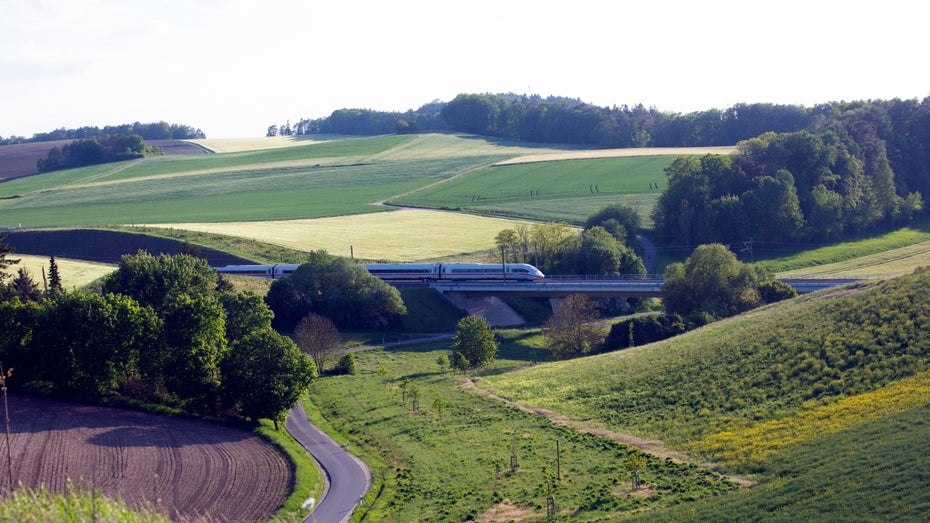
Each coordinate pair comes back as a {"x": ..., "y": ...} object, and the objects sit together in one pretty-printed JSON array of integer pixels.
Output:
[
  {"x": 19, "y": 159},
  {"x": 183, "y": 467}
]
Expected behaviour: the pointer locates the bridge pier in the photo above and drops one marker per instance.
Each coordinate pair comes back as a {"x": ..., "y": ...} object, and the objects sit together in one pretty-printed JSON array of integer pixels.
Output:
[
  {"x": 555, "y": 303},
  {"x": 493, "y": 309}
]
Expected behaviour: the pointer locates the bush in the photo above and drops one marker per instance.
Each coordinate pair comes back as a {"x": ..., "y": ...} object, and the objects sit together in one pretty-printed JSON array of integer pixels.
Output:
[
  {"x": 645, "y": 329},
  {"x": 346, "y": 364}
]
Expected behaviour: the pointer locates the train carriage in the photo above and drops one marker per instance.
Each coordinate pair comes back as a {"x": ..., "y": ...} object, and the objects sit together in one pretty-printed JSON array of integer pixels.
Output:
[{"x": 410, "y": 271}]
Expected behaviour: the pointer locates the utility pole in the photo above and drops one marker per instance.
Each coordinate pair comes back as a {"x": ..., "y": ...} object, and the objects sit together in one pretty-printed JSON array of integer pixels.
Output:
[{"x": 6, "y": 411}]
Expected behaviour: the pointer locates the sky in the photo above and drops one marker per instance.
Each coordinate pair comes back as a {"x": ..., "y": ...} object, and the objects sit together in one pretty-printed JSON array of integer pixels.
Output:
[{"x": 233, "y": 67}]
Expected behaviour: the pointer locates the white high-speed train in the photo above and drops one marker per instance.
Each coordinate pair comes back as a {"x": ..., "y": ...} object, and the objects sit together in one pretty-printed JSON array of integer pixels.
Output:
[{"x": 410, "y": 271}]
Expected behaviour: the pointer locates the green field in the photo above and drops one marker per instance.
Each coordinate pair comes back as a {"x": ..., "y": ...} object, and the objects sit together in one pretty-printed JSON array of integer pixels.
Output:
[
  {"x": 888, "y": 254},
  {"x": 455, "y": 465},
  {"x": 568, "y": 187}
]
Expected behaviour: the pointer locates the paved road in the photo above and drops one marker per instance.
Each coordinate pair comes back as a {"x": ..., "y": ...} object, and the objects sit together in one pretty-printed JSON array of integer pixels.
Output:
[{"x": 347, "y": 478}]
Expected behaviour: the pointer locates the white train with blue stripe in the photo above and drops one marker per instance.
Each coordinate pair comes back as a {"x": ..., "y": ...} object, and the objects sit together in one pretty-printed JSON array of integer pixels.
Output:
[{"x": 410, "y": 271}]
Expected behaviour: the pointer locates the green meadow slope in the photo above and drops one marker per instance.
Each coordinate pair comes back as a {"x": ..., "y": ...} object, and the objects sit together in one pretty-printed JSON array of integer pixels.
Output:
[{"x": 822, "y": 399}]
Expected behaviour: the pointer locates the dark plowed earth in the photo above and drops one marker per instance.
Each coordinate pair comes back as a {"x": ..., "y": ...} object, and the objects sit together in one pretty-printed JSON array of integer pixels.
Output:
[
  {"x": 104, "y": 246},
  {"x": 182, "y": 466}
]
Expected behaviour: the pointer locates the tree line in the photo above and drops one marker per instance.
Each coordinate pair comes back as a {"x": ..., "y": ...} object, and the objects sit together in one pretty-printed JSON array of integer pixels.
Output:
[
  {"x": 95, "y": 150},
  {"x": 835, "y": 180},
  {"x": 367, "y": 122},
  {"x": 149, "y": 131},
  {"x": 166, "y": 330}
]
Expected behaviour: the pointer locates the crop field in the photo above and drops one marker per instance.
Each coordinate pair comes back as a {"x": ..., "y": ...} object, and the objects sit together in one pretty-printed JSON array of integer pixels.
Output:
[
  {"x": 238, "y": 145},
  {"x": 293, "y": 179},
  {"x": 278, "y": 194},
  {"x": 399, "y": 235},
  {"x": 619, "y": 153},
  {"x": 178, "y": 465},
  {"x": 528, "y": 189},
  {"x": 75, "y": 274}
]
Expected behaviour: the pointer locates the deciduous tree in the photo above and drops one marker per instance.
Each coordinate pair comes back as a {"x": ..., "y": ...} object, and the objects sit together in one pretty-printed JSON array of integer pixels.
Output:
[
  {"x": 473, "y": 345},
  {"x": 265, "y": 373},
  {"x": 152, "y": 280},
  {"x": 712, "y": 281},
  {"x": 569, "y": 331},
  {"x": 318, "y": 337}
]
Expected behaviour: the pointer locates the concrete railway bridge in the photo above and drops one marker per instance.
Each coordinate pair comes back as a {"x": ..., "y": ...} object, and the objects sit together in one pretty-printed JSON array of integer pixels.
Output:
[
  {"x": 620, "y": 287},
  {"x": 557, "y": 288}
]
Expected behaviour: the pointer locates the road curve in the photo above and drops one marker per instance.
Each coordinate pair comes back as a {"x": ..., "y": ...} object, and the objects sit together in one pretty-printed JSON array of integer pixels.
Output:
[{"x": 347, "y": 478}]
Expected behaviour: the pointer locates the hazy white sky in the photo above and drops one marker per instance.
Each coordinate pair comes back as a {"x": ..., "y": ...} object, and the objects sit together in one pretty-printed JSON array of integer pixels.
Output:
[{"x": 234, "y": 67}]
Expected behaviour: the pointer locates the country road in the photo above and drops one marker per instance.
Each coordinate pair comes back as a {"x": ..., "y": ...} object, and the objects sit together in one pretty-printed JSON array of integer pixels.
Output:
[{"x": 347, "y": 478}]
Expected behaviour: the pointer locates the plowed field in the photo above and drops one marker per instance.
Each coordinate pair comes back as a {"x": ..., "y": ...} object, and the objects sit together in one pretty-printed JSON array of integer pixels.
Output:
[{"x": 181, "y": 466}]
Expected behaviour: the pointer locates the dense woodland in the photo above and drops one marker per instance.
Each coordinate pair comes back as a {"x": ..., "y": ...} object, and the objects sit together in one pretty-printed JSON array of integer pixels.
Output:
[{"x": 148, "y": 131}]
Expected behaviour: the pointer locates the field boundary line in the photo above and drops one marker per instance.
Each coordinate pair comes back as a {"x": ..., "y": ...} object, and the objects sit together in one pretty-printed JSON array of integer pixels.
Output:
[{"x": 387, "y": 201}]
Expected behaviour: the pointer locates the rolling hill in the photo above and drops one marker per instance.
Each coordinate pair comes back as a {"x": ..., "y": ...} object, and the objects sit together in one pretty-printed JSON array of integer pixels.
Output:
[{"x": 821, "y": 399}]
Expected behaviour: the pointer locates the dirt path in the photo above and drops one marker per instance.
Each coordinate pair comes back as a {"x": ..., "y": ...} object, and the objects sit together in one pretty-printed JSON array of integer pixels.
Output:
[{"x": 654, "y": 447}]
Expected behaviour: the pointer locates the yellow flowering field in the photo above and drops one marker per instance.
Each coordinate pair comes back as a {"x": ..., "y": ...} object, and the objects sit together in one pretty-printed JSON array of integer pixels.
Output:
[{"x": 755, "y": 443}]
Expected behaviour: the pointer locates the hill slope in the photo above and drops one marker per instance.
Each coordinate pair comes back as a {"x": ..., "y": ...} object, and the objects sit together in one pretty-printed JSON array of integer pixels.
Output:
[{"x": 806, "y": 394}]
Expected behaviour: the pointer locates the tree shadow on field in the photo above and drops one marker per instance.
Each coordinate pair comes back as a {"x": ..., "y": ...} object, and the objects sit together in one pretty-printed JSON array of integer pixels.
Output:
[{"x": 110, "y": 427}]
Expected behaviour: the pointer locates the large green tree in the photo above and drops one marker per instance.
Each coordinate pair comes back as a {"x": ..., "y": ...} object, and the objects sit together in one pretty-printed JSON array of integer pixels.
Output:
[
  {"x": 193, "y": 344},
  {"x": 621, "y": 221},
  {"x": 711, "y": 281},
  {"x": 246, "y": 312},
  {"x": 473, "y": 345},
  {"x": 152, "y": 280},
  {"x": 265, "y": 373},
  {"x": 337, "y": 288}
]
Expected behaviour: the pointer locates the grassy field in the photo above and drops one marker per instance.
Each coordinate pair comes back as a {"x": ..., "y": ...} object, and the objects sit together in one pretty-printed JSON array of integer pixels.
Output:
[
  {"x": 892, "y": 253},
  {"x": 399, "y": 235},
  {"x": 821, "y": 399},
  {"x": 453, "y": 463},
  {"x": 893, "y": 262},
  {"x": 526, "y": 189},
  {"x": 75, "y": 274}
]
